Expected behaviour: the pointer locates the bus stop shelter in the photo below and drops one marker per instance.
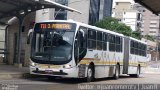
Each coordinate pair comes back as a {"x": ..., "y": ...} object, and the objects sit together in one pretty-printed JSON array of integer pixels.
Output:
[
  {"x": 20, "y": 9},
  {"x": 152, "y": 5}
]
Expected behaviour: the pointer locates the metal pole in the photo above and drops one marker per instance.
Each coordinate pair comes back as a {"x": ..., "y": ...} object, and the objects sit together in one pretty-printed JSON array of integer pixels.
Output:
[
  {"x": 19, "y": 41},
  {"x": 6, "y": 44},
  {"x": 157, "y": 53}
]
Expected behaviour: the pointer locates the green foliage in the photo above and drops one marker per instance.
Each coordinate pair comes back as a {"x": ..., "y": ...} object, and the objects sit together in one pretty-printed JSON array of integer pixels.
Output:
[
  {"x": 110, "y": 23},
  {"x": 136, "y": 34},
  {"x": 148, "y": 37},
  {"x": 107, "y": 23}
]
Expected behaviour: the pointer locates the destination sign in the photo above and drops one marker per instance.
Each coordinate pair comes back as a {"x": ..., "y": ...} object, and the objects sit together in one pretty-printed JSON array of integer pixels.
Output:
[{"x": 55, "y": 26}]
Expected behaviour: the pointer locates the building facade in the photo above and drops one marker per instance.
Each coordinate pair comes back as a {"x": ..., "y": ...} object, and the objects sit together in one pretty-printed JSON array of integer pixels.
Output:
[
  {"x": 125, "y": 13},
  {"x": 149, "y": 25},
  {"x": 2, "y": 42},
  {"x": 149, "y": 22},
  {"x": 12, "y": 41},
  {"x": 92, "y": 11},
  {"x": 51, "y": 14}
]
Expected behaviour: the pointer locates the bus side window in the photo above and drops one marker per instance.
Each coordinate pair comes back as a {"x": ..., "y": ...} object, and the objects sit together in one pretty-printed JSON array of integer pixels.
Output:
[
  {"x": 112, "y": 45},
  {"x": 91, "y": 39},
  {"x": 82, "y": 37},
  {"x": 105, "y": 39},
  {"x": 99, "y": 40}
]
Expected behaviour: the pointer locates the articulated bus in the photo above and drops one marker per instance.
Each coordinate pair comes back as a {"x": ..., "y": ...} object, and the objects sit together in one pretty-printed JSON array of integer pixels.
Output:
[{"x": 65, "y": 48}]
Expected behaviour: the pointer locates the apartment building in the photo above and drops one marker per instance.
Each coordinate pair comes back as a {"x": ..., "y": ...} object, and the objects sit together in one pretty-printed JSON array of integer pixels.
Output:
[{"x": 125, "y": 13}]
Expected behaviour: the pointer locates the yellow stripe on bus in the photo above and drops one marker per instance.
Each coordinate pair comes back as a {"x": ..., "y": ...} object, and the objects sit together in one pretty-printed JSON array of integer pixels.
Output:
[{"x": 111, "y": 63}]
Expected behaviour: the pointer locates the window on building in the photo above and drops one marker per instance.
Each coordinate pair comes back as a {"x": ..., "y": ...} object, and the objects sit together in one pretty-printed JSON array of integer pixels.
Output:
[
  {"x": 94, "y": 11},
  {"x": 144, "y": 10},
  {"x": 117, "y": 3},
  {"x": 139, "y": 17},
  {"x": 59, "y": 13},
  {"x": 152, "y": 31},
  {"x": 119, "y": 20}
]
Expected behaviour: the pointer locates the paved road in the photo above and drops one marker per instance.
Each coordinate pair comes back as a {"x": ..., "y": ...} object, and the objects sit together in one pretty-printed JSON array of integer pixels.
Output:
[{"x": 80, "y": 84}]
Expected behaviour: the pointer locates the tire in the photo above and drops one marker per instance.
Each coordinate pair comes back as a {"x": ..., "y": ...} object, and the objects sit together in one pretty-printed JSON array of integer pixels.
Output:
[
  {"x": 51, "y": 78},
  {"x": 138, "y": 73},
  {"x": 117, "y": 71},
  {"x": 90, "y": 73}
]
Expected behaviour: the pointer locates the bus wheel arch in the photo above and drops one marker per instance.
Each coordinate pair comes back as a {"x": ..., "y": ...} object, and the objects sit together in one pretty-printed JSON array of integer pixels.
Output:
[
  {"x": 117, "y": 71},
  {"x": 139, "y": 67},
  {"x": 119, "y": 67},
  {"x": 138, "y": 71},
  {"x": 137, "y": 75},
  {"x": 91, "y": 72}
]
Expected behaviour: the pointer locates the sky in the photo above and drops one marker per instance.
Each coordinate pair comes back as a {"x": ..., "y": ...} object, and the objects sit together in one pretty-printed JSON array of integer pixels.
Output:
[{"x": 132, "y": 1}]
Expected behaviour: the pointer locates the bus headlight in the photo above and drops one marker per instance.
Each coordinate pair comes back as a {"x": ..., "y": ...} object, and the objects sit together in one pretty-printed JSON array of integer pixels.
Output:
[
  {"x": 33, "y": 64},
  {"x": 67, "y": 66}
]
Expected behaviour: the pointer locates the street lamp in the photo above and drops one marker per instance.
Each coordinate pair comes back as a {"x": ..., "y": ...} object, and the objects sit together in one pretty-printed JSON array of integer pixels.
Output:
[{"x": 57, "y": 12}]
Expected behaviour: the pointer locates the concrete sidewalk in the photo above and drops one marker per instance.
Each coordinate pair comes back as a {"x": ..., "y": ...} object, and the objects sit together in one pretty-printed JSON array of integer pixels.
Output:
[{"x": 9, "y": 72}]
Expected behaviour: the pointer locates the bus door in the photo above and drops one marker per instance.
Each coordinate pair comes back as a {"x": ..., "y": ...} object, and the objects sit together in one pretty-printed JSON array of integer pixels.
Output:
[
  {"x": 80, "y": 50},
  {"x": 105, "y": 53},
  {"x": 126, "y": 55},
  {"x": 80, "y": 46}
]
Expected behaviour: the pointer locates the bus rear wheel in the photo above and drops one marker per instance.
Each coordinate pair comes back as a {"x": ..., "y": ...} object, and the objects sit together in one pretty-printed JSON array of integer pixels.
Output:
[
  {"x": 90, "y": 73},
  {"x": 137, "y": 75}
]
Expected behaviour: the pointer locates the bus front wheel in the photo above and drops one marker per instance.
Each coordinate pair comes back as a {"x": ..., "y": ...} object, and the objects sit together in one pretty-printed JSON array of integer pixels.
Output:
[
  {"x": 90, "y": 73},
  {"x": 51, "y": 78}
]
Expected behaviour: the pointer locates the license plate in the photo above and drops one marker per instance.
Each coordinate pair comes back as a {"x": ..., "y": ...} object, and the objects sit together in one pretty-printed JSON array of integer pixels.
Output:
[{"x": 48, "y": 71}]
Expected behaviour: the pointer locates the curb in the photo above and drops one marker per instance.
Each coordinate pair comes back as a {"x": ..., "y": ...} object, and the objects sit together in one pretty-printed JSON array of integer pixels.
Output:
[
  {"x": 152, "y": 72},
  {"x": 16, "y": 75},
  {"x": 10, "y": 75}
]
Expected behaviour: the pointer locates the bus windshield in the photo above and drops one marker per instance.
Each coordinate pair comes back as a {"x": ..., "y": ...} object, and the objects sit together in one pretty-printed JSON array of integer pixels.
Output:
[{"x": 52, "y": 45}]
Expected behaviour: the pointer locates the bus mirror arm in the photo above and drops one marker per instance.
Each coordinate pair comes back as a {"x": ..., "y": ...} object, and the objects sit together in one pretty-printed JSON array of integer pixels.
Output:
[{"x": 29, "y": 36}]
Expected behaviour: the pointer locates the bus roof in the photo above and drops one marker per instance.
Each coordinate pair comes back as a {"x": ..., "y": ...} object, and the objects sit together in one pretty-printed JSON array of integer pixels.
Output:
[
  {"x": 94, "y": 27},
  {"x": 138, "y": 40},
  {"x": 100, "y": 29},
  {"x": 85, "y": 25}
]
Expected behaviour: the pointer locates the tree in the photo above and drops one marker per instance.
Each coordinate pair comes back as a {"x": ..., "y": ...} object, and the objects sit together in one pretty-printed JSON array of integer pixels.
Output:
[
  {"x": 148, "y": 37},
  {"x": 107, "y": 23},
  {"x": 136, "y": 34},
  {"x": 114, "y": 25}
]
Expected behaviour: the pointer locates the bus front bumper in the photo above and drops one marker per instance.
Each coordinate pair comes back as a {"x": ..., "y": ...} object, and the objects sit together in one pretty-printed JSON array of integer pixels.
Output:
[{"x": 71, "y": 72}]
